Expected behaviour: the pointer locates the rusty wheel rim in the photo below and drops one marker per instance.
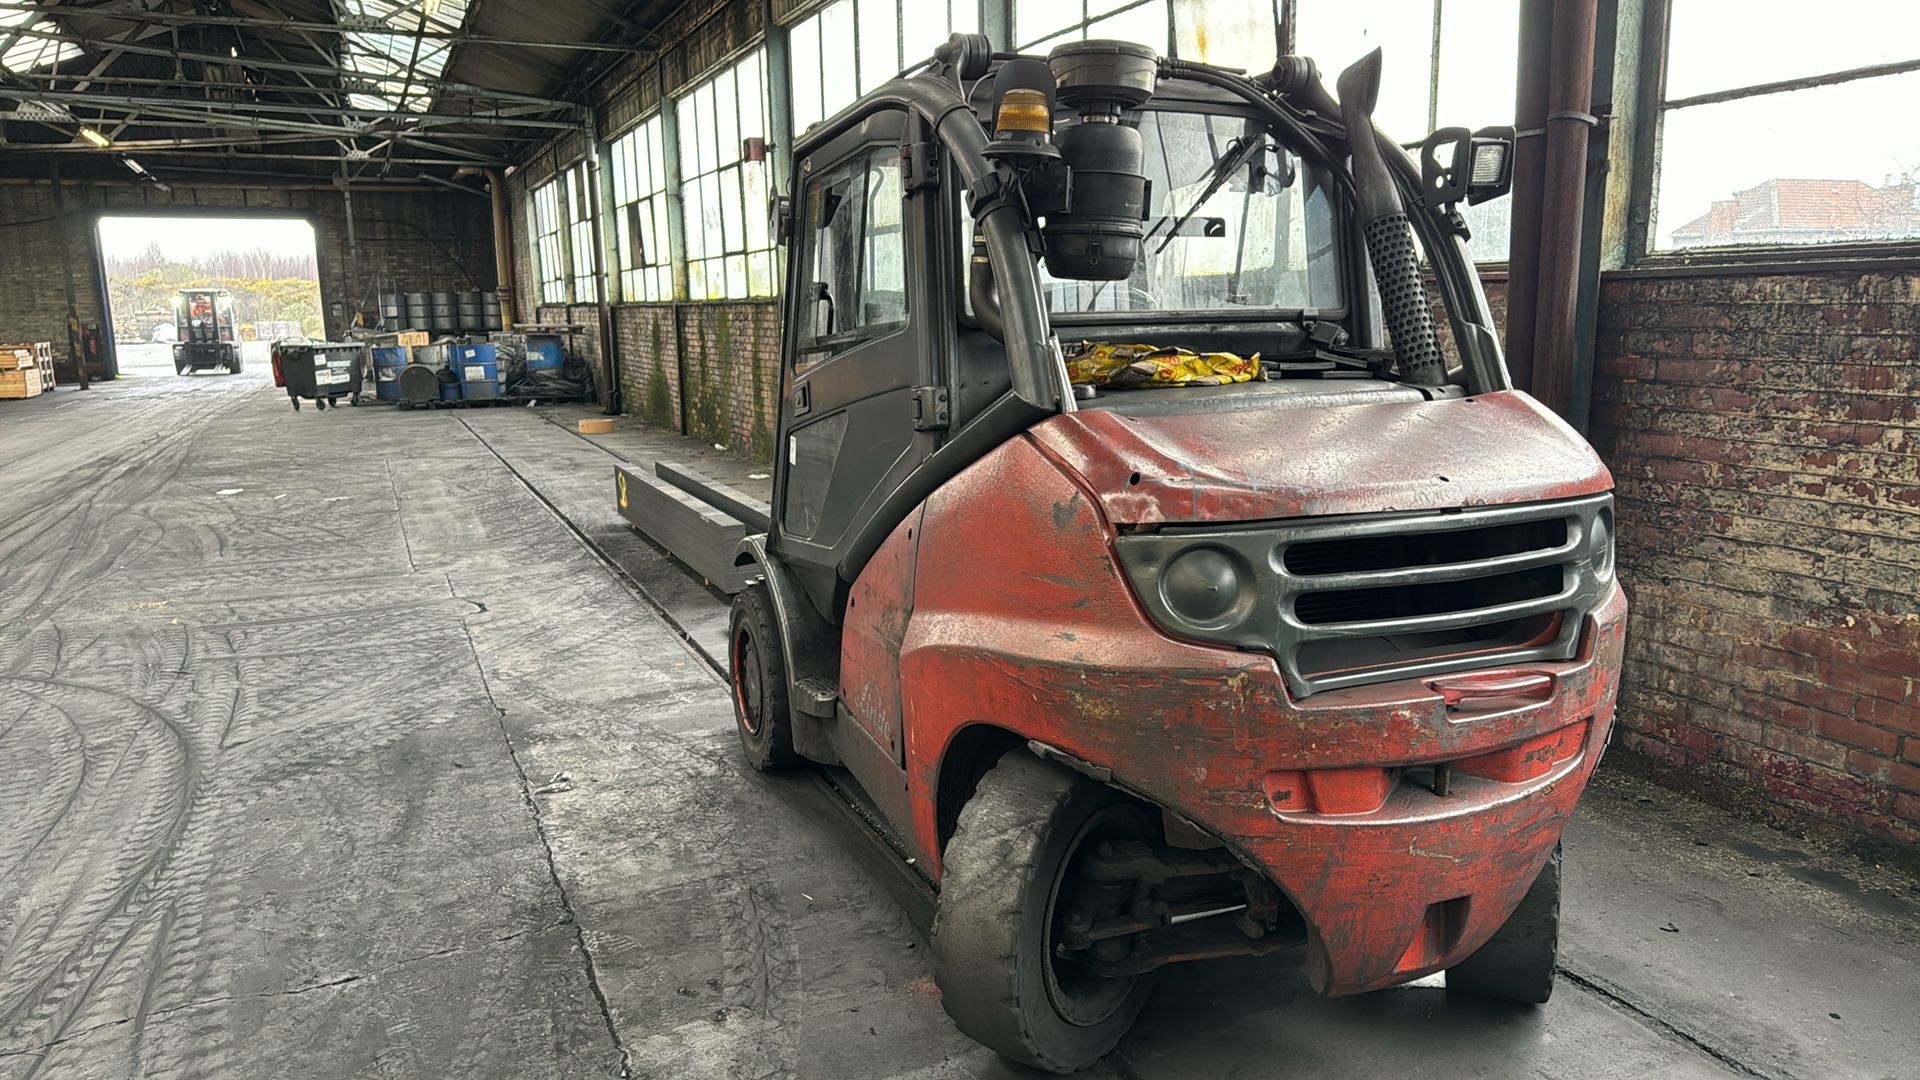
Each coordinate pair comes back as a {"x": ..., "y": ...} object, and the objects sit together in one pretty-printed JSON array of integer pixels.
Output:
[
  {"x": 1081, "y": 997},
  {"x": 746, "y": 682}
]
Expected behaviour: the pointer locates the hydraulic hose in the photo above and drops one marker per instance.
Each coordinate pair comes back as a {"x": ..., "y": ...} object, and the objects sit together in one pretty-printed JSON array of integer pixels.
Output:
[{"x": 1388, "y": 232}]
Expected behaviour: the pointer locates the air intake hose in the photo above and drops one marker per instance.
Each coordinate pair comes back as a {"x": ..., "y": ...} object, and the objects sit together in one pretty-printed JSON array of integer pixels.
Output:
[{"x": 1388, "y": 232}]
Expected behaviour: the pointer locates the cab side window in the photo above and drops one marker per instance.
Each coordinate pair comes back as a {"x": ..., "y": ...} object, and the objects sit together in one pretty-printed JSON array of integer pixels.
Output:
[{"x": 857, "y": 290}]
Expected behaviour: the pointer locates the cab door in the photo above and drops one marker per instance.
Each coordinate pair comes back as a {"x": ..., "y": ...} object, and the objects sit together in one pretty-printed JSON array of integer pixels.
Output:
[{"x": 861, "y": 410}]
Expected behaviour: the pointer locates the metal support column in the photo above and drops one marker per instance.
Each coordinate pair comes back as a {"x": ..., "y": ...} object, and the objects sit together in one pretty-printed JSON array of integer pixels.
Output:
[
  {"x": 779, "y": 101},
  {"x": 1586, "y": 312},
  {"x": 1529, "y": 173},
  {"x": 76, "y": 347},
  {"x": 996, "y": 21}
]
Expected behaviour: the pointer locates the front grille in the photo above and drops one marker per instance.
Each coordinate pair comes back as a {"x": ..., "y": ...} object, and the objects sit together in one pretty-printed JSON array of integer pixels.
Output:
[
  {"x": 1353, "y": 600},
  {"x": 1398, "y": 602}
]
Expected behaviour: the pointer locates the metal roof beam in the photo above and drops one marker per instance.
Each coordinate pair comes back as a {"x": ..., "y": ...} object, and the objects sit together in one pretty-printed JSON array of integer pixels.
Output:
[
  {"x": 265, "y": 64},
  {"x": 240, "y": 110},
  {"x": 129, "y": 10}
]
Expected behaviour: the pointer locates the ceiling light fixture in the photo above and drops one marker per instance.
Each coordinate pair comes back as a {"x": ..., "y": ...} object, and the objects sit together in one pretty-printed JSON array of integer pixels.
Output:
[{"x": 95, "y": 138}]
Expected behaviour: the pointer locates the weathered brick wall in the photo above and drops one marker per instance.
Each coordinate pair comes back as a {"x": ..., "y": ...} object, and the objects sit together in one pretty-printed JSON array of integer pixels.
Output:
[
  {"x": 1764, "y": 432},
  {"x": 730, "y": 364},
  {"x": 33, "y": 297},
  {"x": 410, "y": 241},
  {"x": 648, "y": 338}
]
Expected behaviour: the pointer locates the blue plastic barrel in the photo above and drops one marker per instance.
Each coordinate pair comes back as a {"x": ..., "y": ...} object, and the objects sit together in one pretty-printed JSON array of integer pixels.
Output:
[
  {"x": 544, "y": 352},
  {"x": 388, "y": 361},
  {"x": 449, "y": 390}
]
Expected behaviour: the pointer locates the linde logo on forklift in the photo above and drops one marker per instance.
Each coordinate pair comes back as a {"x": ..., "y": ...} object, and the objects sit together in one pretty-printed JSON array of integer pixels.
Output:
[{"x": 1253, "y": 629}]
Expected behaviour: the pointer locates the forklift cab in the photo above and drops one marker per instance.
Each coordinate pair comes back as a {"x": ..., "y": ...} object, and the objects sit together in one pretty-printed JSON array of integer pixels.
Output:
[{"x": 869, "y": 329}]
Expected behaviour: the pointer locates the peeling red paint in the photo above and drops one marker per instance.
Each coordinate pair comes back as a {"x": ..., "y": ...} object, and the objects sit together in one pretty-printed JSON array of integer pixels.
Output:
[
  {"x": 1357, "y": 459},
  {"x": 1020, "y": 618}
]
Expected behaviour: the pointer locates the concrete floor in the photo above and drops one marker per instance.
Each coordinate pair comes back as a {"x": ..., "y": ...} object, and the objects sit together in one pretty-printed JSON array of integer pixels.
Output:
[{"x": 331, "y": 750}]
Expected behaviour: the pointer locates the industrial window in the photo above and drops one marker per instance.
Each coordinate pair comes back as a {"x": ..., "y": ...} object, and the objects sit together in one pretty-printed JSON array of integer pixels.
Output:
[
  {"x": 1446, "y": 65},
  {"x": 856, "y": 253},
  {"x": 723, "y": 198},
  {"x": 30, "y": 40},
  {"x": 888, "y": 37},
  {"x": 581, "y": 204},
  {"x": 1739, "y": 100},
  {"x": 640, "y": 215},
  {"x": 550, "y": 241},
  {"x": 1231, "y": 33}
]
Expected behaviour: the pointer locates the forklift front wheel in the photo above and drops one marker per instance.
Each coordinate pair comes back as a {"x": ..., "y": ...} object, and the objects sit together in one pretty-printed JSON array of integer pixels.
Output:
[
  {"x": 1516, "y": 964},
  {"x": 1007, "y": 885},
  {"x": 759, "y": 673}
]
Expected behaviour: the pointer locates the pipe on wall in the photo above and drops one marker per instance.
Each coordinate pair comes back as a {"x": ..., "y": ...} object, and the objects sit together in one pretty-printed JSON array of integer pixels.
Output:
[
  {"x": 1529, "y": 170},
  {"x": 1570, "y": 122},
  {"x": 502, "y": 245}
]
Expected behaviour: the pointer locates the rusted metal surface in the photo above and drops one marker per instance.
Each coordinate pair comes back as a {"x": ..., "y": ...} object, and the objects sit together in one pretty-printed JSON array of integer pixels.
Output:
[
  {"x": 1259, "y": 465},
  {"x": 1053, "y": 646},
  {"x": 872, "y": 631}
]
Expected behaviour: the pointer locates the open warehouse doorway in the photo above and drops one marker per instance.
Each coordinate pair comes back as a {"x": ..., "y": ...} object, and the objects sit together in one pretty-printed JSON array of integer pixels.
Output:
[{"x": 195, "y": 293}]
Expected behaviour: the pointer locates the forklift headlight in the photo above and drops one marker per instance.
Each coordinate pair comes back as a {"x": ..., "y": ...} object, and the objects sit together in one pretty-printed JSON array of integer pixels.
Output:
[
  {"x": 1208, "y": 588},
  {"x": 1600, "y": 555}
]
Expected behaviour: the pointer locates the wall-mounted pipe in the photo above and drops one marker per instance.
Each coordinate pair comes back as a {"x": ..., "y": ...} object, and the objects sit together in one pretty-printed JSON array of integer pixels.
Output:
[
  {"x": 1563, "y": 206},
  {"x": 502, "y": 246}
]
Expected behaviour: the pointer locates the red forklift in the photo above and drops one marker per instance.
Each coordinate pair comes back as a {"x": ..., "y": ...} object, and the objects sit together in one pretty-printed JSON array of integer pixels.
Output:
[
  {"x": 206, "y": 335},
  {"x": 1306, "y": 641}
]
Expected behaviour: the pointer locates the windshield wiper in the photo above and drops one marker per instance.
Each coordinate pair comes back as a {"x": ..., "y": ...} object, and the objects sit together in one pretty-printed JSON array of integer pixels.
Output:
[{"x": 1239, "y": 152}]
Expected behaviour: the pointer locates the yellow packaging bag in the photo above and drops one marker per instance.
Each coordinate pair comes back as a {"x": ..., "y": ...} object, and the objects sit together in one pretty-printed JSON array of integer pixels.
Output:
[{"x": 1123, "y": 367}]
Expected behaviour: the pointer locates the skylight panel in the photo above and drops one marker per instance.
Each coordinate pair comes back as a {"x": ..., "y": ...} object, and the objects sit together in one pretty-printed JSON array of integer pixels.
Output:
[
  {"x": 19, "y": 53},
  {"x": 393, "y": 52}
]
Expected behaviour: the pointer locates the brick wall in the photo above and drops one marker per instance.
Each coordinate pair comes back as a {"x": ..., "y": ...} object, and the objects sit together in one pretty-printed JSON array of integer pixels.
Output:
[
  {"x": 648, "y": 338},
  {"x": 414, "y": 241},
  {"x": 1764, "y": 432},
  {"x": 730, "y": 367},
  {"x": 708, "y": 370},
  {"x": 33, "y": 299}
]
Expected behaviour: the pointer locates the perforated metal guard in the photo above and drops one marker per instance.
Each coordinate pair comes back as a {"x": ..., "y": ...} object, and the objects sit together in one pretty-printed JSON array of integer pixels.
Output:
[{"x": 1403, "y": 299}]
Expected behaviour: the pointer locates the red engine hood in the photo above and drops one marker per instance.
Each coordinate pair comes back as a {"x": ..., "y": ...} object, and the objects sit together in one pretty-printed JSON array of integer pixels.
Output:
[{"x": 1284, "y": 463}]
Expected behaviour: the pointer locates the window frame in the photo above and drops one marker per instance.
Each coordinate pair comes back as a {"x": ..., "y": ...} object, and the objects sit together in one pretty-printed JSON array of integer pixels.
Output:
[
  {"x": 1651, "y": 108},
  {"x": 547, "y": 212},
  {"x": 700, "y": 164},
  {"x": 582, "y": 186},
  {"x": 814, "y": 350},
  {"x": 643, "y": 148}
]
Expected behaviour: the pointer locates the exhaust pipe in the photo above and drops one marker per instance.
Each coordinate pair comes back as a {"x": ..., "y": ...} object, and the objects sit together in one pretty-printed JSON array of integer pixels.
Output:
[{"x": 1389, "y": 235}]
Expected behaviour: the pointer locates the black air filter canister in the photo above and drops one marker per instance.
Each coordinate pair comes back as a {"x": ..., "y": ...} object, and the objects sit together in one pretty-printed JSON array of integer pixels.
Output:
[{"x": 1099, "y": 238}]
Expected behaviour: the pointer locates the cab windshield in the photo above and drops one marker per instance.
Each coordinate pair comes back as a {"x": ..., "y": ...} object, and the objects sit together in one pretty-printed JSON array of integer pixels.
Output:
[{"x": 1235, "y": 223}]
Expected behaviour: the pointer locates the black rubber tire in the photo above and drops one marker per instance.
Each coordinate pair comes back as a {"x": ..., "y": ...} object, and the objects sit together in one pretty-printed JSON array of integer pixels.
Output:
[
  {"x": 990, "y": 950},
  {"x": 184, "y": 369},
  {"x": 296, "y": 404},
  {"x": 233, "y": 368},
  {"x": 1517, "y": 962},
  {"x": 759, "y": 676}
]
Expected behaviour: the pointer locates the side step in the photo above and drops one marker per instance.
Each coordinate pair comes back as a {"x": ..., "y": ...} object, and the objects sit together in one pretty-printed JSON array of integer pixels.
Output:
[
  {"x": 697, "y": 533},
  {"x": 755, "y": 514}
]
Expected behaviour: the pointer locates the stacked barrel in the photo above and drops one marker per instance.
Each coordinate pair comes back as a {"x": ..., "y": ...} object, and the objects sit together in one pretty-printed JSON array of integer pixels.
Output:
[{"x": 442, "y": 314}]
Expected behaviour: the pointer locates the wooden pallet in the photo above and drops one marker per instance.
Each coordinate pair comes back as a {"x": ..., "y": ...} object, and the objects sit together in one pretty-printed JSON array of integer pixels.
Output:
[{"x": 28, "y": 355}]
